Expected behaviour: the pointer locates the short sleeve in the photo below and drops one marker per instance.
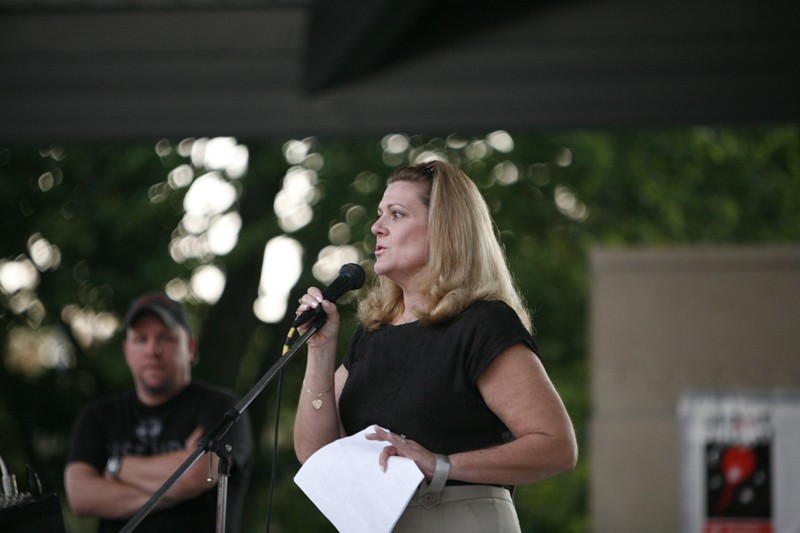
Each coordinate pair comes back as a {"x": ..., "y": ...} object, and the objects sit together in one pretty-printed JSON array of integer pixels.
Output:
[
  {"x": 495, "y": 327},
  {"x": 87, "y": 442},
  {"x": 352, "y": 348}
]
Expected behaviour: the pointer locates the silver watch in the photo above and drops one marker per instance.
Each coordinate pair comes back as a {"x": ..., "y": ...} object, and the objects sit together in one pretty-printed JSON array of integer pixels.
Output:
[{"x": 113, "y": 465}]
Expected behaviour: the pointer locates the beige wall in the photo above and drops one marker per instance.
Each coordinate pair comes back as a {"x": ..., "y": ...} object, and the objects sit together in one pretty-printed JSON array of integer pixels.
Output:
[{"x": 663, "y": 322}]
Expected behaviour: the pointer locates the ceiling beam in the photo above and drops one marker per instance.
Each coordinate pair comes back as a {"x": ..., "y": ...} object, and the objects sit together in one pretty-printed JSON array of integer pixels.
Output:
[{"x": 259, "y": 73}]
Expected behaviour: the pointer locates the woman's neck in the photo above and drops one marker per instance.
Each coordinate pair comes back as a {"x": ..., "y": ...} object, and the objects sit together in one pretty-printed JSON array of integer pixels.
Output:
[{"x": 411, "y": 302}]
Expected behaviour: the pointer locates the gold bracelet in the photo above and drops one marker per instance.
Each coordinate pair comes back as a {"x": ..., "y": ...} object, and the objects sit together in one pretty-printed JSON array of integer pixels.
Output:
[{"x": 317, "y": 401}]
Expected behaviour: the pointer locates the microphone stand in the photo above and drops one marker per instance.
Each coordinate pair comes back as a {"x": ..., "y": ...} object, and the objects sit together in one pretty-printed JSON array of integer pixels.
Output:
[{"x": 211, "y": 441}]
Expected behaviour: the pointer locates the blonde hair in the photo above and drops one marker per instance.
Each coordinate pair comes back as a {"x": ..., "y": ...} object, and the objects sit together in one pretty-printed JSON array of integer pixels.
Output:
[{"x": 466, "y": 261}]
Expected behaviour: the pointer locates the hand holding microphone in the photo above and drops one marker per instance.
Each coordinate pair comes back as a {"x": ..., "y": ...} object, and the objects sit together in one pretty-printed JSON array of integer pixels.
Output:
[{"x": 351, "y": 277}]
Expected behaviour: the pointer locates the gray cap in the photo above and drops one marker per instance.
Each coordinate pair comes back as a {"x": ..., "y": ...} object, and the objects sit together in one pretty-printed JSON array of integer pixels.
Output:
[{"x": 170, "y": 312}]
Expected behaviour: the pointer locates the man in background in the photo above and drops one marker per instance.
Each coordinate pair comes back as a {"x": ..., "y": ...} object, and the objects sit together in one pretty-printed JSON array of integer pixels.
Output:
[{"x": 123, "y": 448}]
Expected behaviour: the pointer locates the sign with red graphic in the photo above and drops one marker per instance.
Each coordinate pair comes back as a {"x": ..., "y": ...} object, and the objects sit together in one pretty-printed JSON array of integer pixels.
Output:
[
  {"x": 741, "y": 462},
  {"x": 738, "y": 488}
]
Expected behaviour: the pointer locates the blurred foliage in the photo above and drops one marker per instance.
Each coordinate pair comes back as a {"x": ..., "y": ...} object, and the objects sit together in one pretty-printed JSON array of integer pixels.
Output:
[{"x": 554, "y": 197}]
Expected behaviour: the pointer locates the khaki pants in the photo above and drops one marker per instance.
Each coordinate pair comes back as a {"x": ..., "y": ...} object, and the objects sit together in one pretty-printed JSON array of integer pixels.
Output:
[{"x": 462, "y": 509}]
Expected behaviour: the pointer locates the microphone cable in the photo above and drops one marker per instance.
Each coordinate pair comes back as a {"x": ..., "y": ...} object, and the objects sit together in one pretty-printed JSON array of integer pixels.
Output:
[
  {"x": 351, "y": 277},
  {"x": 274, "y": 470}
]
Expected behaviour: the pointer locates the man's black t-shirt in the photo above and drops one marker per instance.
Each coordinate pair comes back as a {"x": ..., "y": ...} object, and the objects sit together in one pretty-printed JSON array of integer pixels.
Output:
[{"x": 122, "y": 425}]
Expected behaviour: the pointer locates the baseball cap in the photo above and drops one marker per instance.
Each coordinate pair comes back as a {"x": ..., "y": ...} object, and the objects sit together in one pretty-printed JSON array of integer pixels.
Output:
[{"x": 172, "y": 313}]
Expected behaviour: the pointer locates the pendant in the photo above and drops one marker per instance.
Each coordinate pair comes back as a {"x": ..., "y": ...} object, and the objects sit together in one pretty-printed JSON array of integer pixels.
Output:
[{"x": 317, "y": 404}]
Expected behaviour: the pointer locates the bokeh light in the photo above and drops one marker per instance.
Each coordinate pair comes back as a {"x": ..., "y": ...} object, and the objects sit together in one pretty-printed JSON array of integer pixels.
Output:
[
  {"x": 207, "y": 283},
  {"x": 294, "y": 201},
  {"x": 331, "y": 259},
  {"x": 30, "y": 352},
  {"x": 280, "y": 270},
  {"x": 18, "y": 275},
  {"x": 89, "y": 327},
  {"x": 569, "y": 205},
  {"x": 501, "y": 141}
]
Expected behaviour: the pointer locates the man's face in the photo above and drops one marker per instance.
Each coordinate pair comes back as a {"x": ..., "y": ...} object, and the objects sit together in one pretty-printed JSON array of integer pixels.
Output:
[{"x": 158, "y": 357}]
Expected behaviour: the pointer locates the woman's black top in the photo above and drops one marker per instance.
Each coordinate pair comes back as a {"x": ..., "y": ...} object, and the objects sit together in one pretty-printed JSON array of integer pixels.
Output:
[{"x": 420, "y": 380}]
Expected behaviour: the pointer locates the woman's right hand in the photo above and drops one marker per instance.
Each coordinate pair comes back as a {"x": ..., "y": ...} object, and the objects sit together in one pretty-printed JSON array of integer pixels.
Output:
[{"x": 329, "y": 331}]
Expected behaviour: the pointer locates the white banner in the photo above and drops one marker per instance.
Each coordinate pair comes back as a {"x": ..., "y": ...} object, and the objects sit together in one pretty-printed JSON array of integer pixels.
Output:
[{"x": 740, "y": 454}]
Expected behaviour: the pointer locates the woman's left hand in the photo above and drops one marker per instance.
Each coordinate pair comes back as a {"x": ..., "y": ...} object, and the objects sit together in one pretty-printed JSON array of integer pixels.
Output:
[{"x": 401, "y": 446}]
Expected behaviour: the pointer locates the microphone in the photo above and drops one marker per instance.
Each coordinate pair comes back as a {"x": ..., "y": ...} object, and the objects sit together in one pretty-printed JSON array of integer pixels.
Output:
[{"x": 351, "y": 277}]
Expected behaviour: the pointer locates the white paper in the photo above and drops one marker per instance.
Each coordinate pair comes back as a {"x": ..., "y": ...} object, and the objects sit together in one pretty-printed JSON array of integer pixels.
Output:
[{"x": 346, "y": 483}]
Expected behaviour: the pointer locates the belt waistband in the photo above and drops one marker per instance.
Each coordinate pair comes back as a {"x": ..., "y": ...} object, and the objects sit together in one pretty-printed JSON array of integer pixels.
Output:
[{"x": 453, "y": 493}]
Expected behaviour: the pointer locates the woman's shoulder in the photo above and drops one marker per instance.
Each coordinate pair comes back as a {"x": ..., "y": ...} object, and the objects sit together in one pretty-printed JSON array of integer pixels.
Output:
[
  {"x": 496, "y": 317},
  {"x": 488, "y": 310}
]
